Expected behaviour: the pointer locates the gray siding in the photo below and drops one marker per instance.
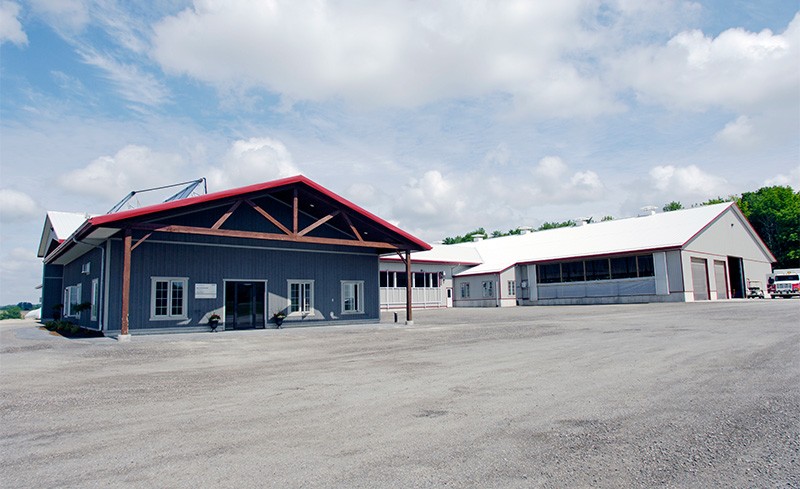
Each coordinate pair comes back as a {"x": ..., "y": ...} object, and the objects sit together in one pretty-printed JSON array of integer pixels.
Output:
[
  {"x": 209, "y": 260},
  {"x": 73, "y": 276}
]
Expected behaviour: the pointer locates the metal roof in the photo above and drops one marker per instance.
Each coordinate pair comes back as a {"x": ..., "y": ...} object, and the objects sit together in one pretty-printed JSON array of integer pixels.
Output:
[
  {"x": 461, "y": 253},
  {"x": 58, "y": 226},
  {"x": 99, "y": 228},
  {"x": 667, "y": 230}
]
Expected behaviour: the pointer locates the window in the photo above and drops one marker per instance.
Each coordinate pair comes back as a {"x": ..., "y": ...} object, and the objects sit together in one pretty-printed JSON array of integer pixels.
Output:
[
  {"x": 512, "y": 287},
  {"x": 401, "y": 279},
  {"x": 301, "y": 297},
  {"x": 623, "y": 267},
  {"x": 646, "y": 268},
  {"x": 597, "y": 269},
  {"x": 465, "y": 291},
  {"x": 72, "y": 297},
  {"x": 549, "y": 274},
  {"x": 387, "y": 279},
  {"x": 168, "y": 298},
  {"x": 95, "y": 298},
  {"x": 488, "y": 288},
  {"x": 572, "y": 271},
  {"x": 352, "y": 297}
]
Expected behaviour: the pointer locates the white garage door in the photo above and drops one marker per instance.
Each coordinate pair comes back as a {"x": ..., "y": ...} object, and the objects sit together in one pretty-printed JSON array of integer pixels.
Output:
[
  {"x": 700, "y": 279},
  {"x": 720, "y": 279}
]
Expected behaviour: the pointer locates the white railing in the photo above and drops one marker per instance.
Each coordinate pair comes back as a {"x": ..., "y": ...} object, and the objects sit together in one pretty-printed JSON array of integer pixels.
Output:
[{"x": 421, "y": 298}]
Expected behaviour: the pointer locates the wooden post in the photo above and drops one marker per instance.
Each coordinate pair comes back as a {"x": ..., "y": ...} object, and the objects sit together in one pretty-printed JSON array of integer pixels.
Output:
[
  {"x": 126, "y": 281},
  {"x": 409, "y": 319},
  {"x": 294, "y": 213}
]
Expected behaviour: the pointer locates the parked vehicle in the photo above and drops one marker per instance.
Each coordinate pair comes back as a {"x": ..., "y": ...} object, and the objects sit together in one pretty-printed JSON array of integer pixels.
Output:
[
  {"x": 785, "y": 283},
  {"x": 754, "y": 290}
]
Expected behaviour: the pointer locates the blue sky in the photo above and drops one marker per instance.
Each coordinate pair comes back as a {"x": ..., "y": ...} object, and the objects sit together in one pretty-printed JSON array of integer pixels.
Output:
[{"x": 438, "y": 118}]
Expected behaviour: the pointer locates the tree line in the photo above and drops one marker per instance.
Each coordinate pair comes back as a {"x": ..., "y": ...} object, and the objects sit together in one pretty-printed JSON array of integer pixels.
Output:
[{"x": 774, "y": 212}]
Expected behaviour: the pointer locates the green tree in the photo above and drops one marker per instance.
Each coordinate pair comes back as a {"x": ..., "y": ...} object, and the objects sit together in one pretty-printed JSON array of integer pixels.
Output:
[
  {"x": 554, "y": 225},
  {"x": 673, "y": 206},
  {"x": 774, "y": 213},
  {"x": 466, "y": 238},
  {"x": 10, "y": 312},
  {"x": 718, "y": 200}
]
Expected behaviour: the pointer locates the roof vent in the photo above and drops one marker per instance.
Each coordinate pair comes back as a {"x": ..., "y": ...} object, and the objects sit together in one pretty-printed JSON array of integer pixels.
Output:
[
  {"x": 648, "y": 210},
  {"x": 582, "y": 221},
  {"x": 477, "y": 237},
  {"x": 525, "y": 230}
]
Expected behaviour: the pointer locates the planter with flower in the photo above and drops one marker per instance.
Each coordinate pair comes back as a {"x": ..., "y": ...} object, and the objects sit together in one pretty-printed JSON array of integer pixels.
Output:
[{"x": 213, "y": 321}]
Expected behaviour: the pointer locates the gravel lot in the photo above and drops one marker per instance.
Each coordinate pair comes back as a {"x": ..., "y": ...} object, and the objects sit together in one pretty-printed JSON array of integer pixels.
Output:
[{"x": 668, "y": 395}]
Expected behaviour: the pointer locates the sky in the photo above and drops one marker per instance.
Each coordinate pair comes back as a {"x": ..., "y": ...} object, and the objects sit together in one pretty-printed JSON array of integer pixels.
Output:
[{"x": 439, "y": 117}]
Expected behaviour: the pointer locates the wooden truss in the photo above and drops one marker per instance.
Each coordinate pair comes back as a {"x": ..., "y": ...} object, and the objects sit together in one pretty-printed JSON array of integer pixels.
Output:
[{"x": 293, "y": 235}]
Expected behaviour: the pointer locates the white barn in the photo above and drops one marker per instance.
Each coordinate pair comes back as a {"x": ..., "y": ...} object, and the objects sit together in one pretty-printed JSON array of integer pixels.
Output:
[{"x": 703, "y": 253}]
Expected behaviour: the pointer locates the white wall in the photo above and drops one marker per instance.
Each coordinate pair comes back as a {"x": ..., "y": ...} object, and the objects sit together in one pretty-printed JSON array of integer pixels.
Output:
[{"x": 476, "y": 298}]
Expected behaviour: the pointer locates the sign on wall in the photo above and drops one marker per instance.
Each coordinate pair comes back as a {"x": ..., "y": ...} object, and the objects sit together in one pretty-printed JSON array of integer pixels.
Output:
[{"x": 205, "y": 291}]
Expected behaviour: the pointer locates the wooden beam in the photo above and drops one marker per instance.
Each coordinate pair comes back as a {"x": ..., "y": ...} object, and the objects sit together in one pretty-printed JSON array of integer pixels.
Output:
[
  {"x": 268, "y": 216},
  {"x": 126, "y": 280},
  {"x": 317, "y": 224},
  {"x": 353, "y": 228},
  {"x": 295, "y": 211},
  {"x": 142, "y": 240},
  {"x": 228, "y": 233},
  {"x": 225, "y": 216}
]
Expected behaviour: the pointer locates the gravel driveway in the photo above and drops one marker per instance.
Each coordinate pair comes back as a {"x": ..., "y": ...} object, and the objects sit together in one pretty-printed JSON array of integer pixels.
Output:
[{"x": 668, "y": 395}]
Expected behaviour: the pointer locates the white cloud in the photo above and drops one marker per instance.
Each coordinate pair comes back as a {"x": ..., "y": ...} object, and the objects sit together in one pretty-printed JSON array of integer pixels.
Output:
[
  {"x": 675, "y": 182},
  {"x": 737, "y": 70},
  {"x": 399, "y": 53},
  {"x": 738, "y": 133},
  {"x": 131, "y": 168},
  {"x": 17, "y": 206},
  {"x": 20, "y": 272},
  {"x": 791, "y": 179},
  {"x": 10, "y": 26},
  {"x": 550, "y": 168},
  {"x": 553, "y": 183},
  {"x": 66, "y": 16},
  {"x": 254, "y": 160},
  {"x": 431, "y": 195},
  {"x": 133, "y": 84}
]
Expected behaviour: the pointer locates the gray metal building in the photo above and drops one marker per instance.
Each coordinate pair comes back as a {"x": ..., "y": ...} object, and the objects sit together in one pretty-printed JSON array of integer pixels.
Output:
[{"x": 288, "y": 247}]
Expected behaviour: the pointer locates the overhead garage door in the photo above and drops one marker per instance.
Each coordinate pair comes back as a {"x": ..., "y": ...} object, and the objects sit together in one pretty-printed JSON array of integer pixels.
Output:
[
  {"x": 700, "y": 279},
  {"x": 720, "y": 279}
]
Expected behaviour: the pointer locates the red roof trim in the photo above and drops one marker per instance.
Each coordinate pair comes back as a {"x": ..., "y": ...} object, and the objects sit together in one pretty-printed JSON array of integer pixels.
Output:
[{"x": 108, "y": 219}]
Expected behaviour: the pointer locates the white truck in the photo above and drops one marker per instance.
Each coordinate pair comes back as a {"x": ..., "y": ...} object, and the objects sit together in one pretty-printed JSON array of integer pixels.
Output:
[{"x": 784, "y": 283}]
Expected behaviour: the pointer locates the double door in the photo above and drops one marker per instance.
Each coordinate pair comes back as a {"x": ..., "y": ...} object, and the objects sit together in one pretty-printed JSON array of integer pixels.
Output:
[{"x": 245, "y": 304}]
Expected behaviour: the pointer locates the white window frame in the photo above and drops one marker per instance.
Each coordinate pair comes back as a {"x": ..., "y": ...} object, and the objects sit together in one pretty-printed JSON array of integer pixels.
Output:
[
  {"x": 359, "y": 296},
  {"x": 465, "y": 290},
  {"x": 488, "y": 288},
  {"x": 301, "y": 311},
  {"x": 184, "y": 281},
  {"x": 95, "y": 298},
  {"x": 68, "y": 303},
  {"x": 512, "y": 287}
]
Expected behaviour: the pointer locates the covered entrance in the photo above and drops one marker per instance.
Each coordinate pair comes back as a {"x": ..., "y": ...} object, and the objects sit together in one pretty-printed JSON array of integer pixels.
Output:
[
  {"x": 736, "y": 268},
  {"x": 245, "y": 304}
]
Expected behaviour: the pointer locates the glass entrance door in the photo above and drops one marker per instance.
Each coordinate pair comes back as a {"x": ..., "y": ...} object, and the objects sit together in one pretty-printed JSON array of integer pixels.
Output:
[{"x": 244, "y": 305}]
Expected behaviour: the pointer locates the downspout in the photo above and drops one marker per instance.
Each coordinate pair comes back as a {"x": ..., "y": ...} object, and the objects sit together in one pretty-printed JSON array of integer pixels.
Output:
[{"x": 101, "y": 285}]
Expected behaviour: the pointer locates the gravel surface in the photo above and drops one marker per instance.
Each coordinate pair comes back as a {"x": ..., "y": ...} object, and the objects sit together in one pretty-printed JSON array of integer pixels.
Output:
[{"x": 666, "y": 395}]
